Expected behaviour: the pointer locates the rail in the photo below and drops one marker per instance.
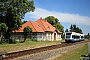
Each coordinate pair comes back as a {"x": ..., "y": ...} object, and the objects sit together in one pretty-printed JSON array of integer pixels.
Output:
[{"x": 37, "y": 50}]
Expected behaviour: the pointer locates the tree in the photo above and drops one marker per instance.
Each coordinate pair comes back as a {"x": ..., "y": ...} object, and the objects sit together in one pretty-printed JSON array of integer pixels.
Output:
[
  {"x": 12, "y": 12},
  {"x": 3, "y": 28},
  {"x": 24, "y": 22},
  {"x": 52, "y": 20},
  {"x": 78, "y": 30},
  {"x": 88, "y": 34},
  {"x": 74, "y": 28},
  {"x": 71, "y": 28},
  {"x": 66, "y": 30},
  {"x": 27, "y": 30},
  {"x": 55, "y": 22}
]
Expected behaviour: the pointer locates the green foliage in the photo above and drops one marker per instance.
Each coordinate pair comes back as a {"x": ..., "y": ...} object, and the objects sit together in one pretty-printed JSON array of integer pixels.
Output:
[
  {"x": 66, "y": 30},
  {"x": 4, "y": 40},
  {"x": 27, "y": 30},
  {"x": 3, "y": 27},
  {"x": 13, "y": 11},
  {"x": 24, "y": 22},
  {"x": 52, "y": 20},
  {"x": 87, "y": 36},
  {"x": 74, "y": 28},
  {"x": 55, "y": 22},
  {"x": 71, "y": 28}
]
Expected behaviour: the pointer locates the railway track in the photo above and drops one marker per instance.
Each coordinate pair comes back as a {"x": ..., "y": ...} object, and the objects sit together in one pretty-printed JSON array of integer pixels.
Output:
[{"x": 37, "y": 50}]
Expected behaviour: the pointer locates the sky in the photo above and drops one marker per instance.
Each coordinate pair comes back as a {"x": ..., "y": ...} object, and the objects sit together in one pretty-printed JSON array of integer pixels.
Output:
[{"x": 67, "y": 11}]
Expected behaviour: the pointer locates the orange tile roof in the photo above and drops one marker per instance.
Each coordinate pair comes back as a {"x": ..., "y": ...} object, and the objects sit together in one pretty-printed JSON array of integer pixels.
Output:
[
  {"x": 45, "y": 25},
  {"x": 39, "y": 26},
  {"x": 36, "y": 27}
]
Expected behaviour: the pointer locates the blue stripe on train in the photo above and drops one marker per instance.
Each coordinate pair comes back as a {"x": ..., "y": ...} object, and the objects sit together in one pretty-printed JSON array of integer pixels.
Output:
[
  {"x": 72, "y": 40},
  {"x": 75, "y": 40}
]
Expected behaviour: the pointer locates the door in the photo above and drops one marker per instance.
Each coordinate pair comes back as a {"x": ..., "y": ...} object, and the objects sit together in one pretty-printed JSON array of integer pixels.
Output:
[{"x": 54, "y": 36}]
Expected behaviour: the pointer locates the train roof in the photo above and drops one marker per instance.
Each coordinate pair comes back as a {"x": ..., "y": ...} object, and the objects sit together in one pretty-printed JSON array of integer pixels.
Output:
[{"x": 74, "y": 33}]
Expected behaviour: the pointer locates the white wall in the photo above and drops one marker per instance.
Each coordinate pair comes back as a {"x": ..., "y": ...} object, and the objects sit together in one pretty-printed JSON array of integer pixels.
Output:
[{"x": 38, "y": 36}]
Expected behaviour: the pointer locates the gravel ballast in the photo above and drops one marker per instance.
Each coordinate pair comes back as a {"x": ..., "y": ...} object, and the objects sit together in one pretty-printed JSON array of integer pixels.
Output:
[{"x": 48, "y": 55}]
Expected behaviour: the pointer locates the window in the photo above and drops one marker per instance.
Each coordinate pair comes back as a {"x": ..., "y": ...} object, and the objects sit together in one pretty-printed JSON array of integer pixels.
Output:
[
  {"x": 81, "y": 36},
  {"x": 75, "y": 37},
  {"x": 68, "y": 36},
  {"x": 39, "y": 35},
  {"x": 48, "y": 35},
  {"x": 68, "y": 33},
  {"x": 51, "y": 36},
  {"x": 34, "y": 35}
]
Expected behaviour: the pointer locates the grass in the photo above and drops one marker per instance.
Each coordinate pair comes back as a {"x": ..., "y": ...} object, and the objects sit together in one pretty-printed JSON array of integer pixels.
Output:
[
  {"x": 75, "y": 54},
  {"x": 34, "y": 43},
  {"x": 26, "y": 45}
]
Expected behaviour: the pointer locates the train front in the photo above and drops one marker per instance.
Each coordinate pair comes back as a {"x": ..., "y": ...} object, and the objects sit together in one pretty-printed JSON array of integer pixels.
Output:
[{"x": 68, "y": 37}]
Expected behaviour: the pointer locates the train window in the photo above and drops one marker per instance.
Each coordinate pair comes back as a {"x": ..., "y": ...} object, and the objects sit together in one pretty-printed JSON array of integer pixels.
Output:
[
  {"x": 81, "y": 36},
  {"x": 68, "y": 33},
  {"x": 73, "y": 36},
  {"x": 77, "y": 37}
]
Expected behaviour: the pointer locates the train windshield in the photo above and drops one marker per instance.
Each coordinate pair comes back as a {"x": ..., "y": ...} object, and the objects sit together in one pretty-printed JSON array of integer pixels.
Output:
[{"x": 68, "y": 35}]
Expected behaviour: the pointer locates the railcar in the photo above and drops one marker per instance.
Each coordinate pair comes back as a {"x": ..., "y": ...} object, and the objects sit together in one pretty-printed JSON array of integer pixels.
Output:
[{"x": 73, "y": 37}]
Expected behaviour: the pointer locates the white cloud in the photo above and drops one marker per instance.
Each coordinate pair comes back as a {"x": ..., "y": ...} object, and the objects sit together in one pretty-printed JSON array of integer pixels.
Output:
[{"x": 63, "y": 17}]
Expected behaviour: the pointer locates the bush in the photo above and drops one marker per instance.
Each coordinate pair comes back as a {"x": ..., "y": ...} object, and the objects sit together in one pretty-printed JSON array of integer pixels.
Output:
[
  {"x": 33, "y": 39},
  {"x": 12, "y": 41},
  {"x": 21, "y": 41},
  {"x": 0, "y": 42},
  {"x": 4, "y": 40},
  {"x": 8, "y": 41}
]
